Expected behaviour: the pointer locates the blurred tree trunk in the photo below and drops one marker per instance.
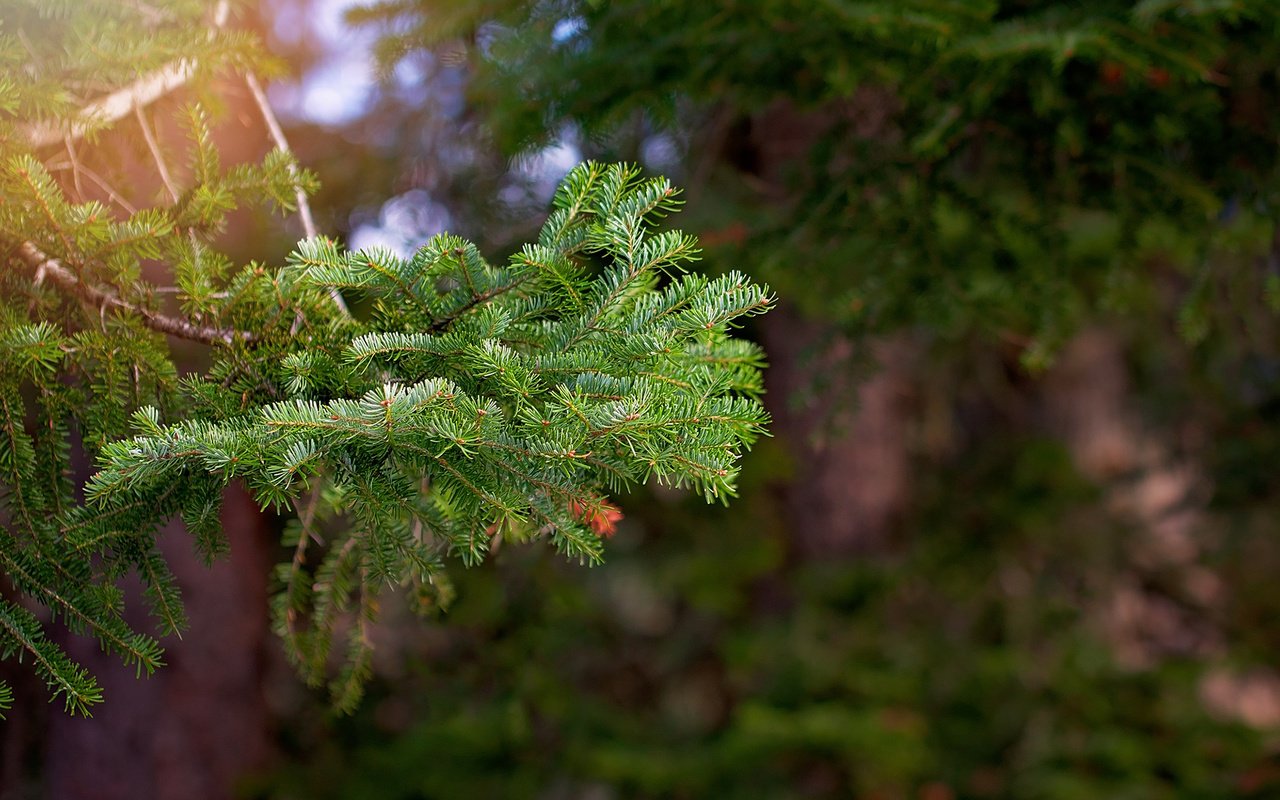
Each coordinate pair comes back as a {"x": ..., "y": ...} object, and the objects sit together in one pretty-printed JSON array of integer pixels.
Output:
[
  {"x": 846, "y": 433},
  {"x": 1153, "y": 481},
  {"x": 843, "y": 414},
  {"x": 197, "y": 727}
]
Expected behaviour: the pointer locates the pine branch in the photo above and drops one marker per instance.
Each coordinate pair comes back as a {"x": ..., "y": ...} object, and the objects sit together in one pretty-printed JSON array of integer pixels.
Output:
[
  {"x": 482, "y": 402},
  {"x": 45, "y": 266}
]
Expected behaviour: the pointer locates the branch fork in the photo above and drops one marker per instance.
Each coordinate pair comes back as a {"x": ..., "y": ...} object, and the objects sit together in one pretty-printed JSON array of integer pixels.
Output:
[{"x": 46, "y": 267}]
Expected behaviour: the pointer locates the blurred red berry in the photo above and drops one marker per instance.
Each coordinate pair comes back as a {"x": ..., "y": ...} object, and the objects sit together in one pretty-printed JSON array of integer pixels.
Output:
[{"x": 602, "y": 517}]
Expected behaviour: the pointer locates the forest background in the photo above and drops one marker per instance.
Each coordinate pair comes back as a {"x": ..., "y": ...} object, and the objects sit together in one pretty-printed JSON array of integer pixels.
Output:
[{"x": 1015, "y": 532}]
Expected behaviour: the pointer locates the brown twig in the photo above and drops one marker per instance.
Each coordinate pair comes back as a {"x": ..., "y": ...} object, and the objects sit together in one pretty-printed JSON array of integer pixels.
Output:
[
  {"x": 48, "y": 268},
  {"x": 156, "y": 155},
  {"x": 75, "y": 169},
  {"x": 282, "y": 144},
  {"x": 98, "y": 180}
]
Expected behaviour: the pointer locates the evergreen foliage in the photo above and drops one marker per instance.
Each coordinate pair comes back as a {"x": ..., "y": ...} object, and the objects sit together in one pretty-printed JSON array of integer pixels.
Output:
[{"x": 462, "y": 404}]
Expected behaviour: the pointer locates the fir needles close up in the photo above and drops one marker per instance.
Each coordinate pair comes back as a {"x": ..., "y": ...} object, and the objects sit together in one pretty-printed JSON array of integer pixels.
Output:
[{"x": 477, "y": 402}]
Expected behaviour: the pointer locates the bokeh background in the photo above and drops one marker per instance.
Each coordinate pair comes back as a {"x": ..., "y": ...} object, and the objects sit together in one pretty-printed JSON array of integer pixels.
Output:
[{"x": 1016, "y": 533}]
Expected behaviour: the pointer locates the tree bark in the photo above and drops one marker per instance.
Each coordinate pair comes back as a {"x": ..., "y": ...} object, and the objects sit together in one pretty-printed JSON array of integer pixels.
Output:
[
  {"x": 198, "y": 726},
  {"x": 846, "y": 431}
]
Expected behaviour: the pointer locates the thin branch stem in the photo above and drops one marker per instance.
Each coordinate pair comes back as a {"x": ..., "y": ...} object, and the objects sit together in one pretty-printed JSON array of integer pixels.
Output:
[
  {"x": 156, "y": 155},
  {"x": 277, "y": 136},
  {"x": 101, "y": 182},
  {"x": 46, "y": 267},
  {"x": 306, "y": 517},
  {"x": 75, "y": 169},
  {"x": 282, "y": 144}
]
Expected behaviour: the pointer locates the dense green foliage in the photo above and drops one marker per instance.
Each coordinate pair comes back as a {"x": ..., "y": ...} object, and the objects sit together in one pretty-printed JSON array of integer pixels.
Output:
[
  {"x": 462, "y": 403},
  {"x": 477, "y": 403},
  {"x": 1007, "y": 167}
]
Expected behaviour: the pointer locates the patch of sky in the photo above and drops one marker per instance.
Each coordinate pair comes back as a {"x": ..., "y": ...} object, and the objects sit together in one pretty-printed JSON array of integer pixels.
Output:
[
  {"x": 537, "y": 174},
  {"x": 660, "y": 153},
  {"x": 404, "y": 223},
  {"x": 342, "y": 84},
  {"x": 567, "y": 29}
]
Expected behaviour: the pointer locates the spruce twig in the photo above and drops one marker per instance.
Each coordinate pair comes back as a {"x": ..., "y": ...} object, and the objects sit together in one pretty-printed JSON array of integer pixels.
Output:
[{"x": 47, "y": 267}]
